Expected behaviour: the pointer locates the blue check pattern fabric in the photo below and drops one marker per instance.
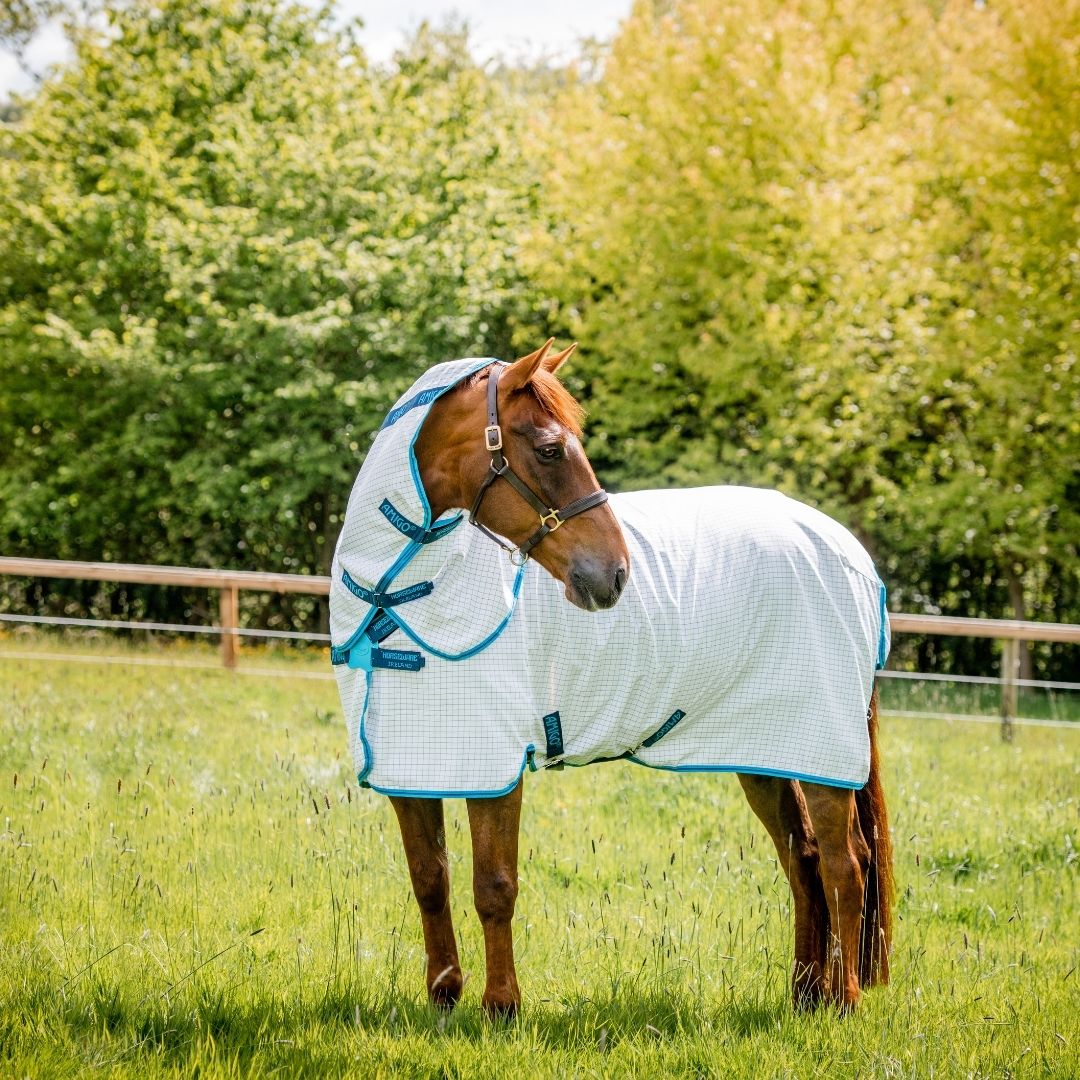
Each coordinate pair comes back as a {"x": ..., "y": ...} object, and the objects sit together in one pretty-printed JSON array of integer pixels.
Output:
[{"x": 746, "y": 639}]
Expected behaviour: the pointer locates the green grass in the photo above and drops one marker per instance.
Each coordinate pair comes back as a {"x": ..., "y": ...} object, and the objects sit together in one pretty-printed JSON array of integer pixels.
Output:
[{"x": 192, "y": 884}]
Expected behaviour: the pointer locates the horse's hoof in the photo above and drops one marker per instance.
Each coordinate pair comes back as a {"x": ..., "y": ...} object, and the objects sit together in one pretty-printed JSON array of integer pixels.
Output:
[
  {"x": 848, "y": 1005},
  {"x": 446, "y": 989},
  {"x": 807, "y": 989},
  {"x": 808, "y": 998},
  {"x": 444, "y": 1000},
  {"x": 500, "y": 1010}
]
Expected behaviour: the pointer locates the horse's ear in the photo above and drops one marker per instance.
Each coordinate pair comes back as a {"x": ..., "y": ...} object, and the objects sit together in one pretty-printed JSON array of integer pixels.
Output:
[
  {"x": 553, "y": 361},
  {"x": 518, "y": 374}
]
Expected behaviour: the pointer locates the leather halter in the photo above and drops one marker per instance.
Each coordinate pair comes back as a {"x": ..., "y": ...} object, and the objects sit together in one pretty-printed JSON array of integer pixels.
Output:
[{"x": 550, "y": 519}]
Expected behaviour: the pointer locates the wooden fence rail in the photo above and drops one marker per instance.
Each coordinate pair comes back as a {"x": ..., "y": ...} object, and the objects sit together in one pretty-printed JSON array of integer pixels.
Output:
[{"x": 230, "y": 583}]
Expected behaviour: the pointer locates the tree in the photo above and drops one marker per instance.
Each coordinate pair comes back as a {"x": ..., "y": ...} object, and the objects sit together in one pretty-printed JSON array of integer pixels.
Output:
[
  {"x": 229, "y": 244},
  {"x": 781, "y": 225}
]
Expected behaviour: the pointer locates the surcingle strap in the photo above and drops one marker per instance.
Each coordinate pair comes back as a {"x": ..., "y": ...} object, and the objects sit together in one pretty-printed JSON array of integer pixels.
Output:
[
  {"x": 413, "y": 531},
  {"x": 554, "y": 736},
  {"x": 385, "y": 600},
  {"x": 664, "y": 728}
]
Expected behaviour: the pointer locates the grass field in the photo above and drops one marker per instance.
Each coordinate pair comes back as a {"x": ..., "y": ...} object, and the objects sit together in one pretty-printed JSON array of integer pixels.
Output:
[{"x": 192, "y": 884}]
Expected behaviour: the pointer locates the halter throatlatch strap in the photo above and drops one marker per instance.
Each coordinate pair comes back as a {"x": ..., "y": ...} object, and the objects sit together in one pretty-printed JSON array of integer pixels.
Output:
[{"x": 550, "y": 519}]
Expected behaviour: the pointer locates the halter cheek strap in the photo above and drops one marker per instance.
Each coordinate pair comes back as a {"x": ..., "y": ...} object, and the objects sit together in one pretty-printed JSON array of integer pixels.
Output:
[{"x": 550, "y": 519}]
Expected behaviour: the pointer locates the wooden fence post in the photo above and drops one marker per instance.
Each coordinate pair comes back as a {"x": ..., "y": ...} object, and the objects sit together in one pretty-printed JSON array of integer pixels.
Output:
[
  {"x": 230, "y": 620},
  {"x": 1010, "y": 666}
]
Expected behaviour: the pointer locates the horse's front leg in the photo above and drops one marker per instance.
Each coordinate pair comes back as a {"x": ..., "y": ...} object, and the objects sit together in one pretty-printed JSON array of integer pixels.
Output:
[
  {"x": 494, "y": 824},
  {"x": 422, "y": 832}
]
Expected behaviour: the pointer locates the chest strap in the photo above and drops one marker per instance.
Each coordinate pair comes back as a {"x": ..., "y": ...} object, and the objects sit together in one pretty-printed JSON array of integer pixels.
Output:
[
  {"x": 386, "y": 600},
  {"x": 413, "y": 531}
]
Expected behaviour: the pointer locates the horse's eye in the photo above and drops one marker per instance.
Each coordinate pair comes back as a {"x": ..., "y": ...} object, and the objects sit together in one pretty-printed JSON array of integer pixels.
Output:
[{"x": 552, "y": 452}]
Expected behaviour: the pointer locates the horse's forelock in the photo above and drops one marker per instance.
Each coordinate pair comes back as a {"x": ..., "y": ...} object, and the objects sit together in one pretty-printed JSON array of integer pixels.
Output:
[
  {"x": 550, "y": 394},
  {"x": 556, "y": 400}
]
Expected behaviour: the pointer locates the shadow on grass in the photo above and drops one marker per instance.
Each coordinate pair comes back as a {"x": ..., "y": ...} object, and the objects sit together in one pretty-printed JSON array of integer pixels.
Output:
[{"x": 304, "y": 1036}]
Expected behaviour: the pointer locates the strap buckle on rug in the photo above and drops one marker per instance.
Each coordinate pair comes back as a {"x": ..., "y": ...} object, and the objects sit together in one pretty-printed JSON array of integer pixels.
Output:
[
  {"x": 387, "y": 600},
  {"x": 413, "y": 531},
  {"x": 550, "y": 519},
  {"x": 365, "y": 655}
]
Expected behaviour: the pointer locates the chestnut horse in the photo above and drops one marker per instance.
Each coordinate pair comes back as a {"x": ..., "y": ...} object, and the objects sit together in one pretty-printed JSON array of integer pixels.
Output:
[{"x": 833, "y": 843}]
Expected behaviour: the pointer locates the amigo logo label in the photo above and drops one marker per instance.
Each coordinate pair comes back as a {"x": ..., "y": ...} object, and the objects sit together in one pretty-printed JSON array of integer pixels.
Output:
[
  {"x": 425, "y": 397},
  {"x": 664, "y": 728},
  {"x": 553, "y": 734},
  {"x": 399, "y": 521}
]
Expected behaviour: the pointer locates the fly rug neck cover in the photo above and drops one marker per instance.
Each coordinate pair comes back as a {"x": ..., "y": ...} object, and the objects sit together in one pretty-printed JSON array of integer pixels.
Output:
[{"x": 746, "y": 638}]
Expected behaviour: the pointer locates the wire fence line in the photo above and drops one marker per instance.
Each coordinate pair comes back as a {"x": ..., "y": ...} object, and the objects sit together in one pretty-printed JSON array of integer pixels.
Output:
[
  {"x": 299, "y": 635},
  {"x": 171, "y": 628},
  {"x": 325, "y": 676},
  {"x": 229, "y": 583},
  {"x": 165, "y": 662}
]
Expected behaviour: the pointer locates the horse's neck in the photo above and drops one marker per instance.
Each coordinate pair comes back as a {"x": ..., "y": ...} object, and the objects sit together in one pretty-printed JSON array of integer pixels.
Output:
[{"x": 438, "y": 452}]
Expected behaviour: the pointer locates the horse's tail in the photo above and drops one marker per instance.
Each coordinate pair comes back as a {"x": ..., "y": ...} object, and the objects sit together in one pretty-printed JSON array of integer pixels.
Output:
[{"x": 879, "y": 894}]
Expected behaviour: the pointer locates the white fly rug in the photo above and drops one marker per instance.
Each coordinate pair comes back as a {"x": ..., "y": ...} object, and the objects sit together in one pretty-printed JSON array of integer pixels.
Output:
[{"x": 745, "y": 640}]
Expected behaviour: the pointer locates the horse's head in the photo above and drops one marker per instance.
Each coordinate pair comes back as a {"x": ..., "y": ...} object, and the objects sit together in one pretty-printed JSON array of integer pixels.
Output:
[{"x": 538, "y": 425}]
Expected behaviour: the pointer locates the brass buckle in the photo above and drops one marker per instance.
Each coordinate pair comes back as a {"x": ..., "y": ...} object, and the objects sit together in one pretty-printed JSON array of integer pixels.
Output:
[
  {"x": 493, "y": 437},
  {"x": 551, "y": 515}
]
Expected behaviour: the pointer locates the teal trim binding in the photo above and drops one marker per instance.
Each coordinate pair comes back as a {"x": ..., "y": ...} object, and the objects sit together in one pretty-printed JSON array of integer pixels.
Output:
[
  {"x": 413, "y": 467},
  {"x": 480, "y": 646},
  {"x": 364, "y": 744},
  {"x": 664, "y": 728},
  {"x": 452, "y": 794},
  {"x": 883, "y": 639},
  {"x": 425, "y": 397},
  {"x": 752, "y": 770}
]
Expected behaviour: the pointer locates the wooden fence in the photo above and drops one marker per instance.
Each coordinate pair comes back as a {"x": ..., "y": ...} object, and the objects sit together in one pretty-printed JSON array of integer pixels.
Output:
[{"x": 229, "y": 583}]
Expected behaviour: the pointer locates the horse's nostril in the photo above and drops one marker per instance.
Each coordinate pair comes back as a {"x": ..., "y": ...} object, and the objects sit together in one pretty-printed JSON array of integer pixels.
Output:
[{"x": 620, "y": 578}]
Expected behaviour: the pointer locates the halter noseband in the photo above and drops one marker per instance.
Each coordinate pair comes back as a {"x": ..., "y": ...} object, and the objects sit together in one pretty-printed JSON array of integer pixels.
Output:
[{"x": 550, "y": 519}]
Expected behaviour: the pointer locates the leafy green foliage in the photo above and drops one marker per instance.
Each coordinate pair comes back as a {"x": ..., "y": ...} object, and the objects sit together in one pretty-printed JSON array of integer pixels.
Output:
[
  {"x": 831, "y": 247},
  {"x": 824, "y": 245},
  {"x": 230, "y": 245}
]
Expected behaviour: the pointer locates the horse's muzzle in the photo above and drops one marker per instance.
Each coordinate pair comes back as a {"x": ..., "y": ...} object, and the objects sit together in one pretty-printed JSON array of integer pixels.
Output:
[{"x": 595, "y": 586}]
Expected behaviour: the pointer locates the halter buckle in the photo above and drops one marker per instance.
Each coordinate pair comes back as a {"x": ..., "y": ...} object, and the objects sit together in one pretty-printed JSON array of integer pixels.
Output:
[
  {"x": 493, "y": 437},
  {"x": 551, "y": 515}
]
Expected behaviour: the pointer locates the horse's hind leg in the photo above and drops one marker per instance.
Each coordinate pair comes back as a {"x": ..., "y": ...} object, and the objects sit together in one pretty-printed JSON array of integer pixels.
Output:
[
  {"x": 494, "y": 824},
  {"x": 844, "y": 860},
  {"x": 422, "y": 832},
  {"x": 782, "y": 810}
]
